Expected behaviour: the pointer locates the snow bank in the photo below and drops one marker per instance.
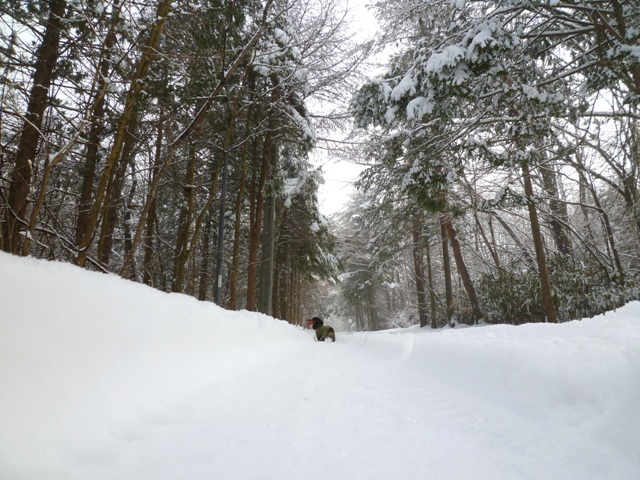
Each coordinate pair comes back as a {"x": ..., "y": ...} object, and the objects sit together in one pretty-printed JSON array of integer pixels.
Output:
[
  {"x": 81, "y": 351},
  {"x": 106, "y": 379}
]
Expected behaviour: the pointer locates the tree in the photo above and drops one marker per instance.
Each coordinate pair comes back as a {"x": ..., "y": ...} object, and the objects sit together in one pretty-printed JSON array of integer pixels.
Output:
[
  {"x": 46, "y": 58},
  {"x": 482, "y": 86}
]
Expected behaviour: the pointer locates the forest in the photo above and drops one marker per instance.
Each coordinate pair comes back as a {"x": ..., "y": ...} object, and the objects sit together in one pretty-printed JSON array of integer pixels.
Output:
[{"x": 175, "y": 143}]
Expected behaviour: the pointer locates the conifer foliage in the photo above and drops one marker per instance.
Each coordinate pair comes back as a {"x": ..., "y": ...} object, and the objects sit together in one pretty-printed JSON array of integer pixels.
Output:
[
  {"x": 514, "y": 124},
  {"x": 118, "y": 118}
]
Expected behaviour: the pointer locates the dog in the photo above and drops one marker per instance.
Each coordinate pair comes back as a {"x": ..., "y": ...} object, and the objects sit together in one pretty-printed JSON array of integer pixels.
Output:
[{"x": 322, "y": 331}]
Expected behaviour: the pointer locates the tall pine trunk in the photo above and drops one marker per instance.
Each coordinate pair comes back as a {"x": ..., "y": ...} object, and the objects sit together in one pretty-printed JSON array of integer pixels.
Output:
[
  {"x": 113, "y": 200},
  {"x": 88, "y": 170},
  {"x": 186, "y": 216},
  {"x": 129, "y": 206},
  {"x": 137, "y": 82},
  {"x": 257, "y": 202},
  {"x": 237, "y": 227},
  {"x": 559, "y": 215},
  {"x": 203, "y": 284},
  {"x": 463, "y": 272},
  {"x": 372, "y": 307},
  {"x": 150, "y": 222},
  {"x": 543, "y": 274},
  {"x": 22, "y": 174},
  {"x": 432, "y": 290},
  {"x": 446, "y": 270},
  {"x": 186, "y": 133},
  {"x": 418, "y": 268},
  {"x": 265, "y": 301}
]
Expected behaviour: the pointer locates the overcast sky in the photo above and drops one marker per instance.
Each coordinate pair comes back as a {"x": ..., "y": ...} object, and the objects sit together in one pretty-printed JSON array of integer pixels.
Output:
[{"x": 339, "y": 175}]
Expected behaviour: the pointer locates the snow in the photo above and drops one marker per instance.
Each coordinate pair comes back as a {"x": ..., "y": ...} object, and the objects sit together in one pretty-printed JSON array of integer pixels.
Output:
[
  {"x": 483, "y": 38},
  {"x": 418, "y": 108},
  {"x": 406, "y": 86},
  {"x": 449, "y": 57},
  {"x": 306, "y": 128},
  {"x": 105, "y": 379}
]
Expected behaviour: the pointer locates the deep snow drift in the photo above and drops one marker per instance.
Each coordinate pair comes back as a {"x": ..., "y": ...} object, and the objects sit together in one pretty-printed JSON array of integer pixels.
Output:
[{"x": 105, "y": 379}]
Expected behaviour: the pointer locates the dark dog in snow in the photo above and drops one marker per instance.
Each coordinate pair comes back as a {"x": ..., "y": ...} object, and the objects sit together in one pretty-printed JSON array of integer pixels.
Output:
[{"x": 322, "y": 331}]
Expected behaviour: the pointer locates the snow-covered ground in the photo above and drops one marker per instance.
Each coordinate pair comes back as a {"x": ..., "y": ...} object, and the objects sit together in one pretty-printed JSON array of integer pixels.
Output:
[{"x": 105, "y": 379}]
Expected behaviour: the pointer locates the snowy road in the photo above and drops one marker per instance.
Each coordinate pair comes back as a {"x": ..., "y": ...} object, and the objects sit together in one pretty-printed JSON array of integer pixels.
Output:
[
  {"x": 336, "y": 411},
  {"x": 316, "y": 411},
  {"x": 162, "y": 387}
]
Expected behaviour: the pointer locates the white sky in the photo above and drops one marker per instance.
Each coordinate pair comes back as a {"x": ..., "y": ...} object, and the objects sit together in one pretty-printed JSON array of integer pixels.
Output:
[{"x": 339, "y": 175}]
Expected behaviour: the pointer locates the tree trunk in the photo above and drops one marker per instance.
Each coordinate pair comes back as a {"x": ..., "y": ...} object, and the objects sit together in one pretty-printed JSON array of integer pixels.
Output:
[
  {"x": 184, "y": 231},
  {"x": 281, "y": 264},
  {"x": 114, "y": 195},
  {"x": 267, "y": 261},
  {"x": 418, "y": 268},
  {"x": 151, "y": 218},
  {"x": 197, "y": 120},
  {"x": 22, "y": 174},
  {"x": 255, "y": 224},
  {"x": 634, "y": 154},
  {"x": 432, "y": 291},
  {"x": 137, "y": 82},
  {"x": 526, "y": 255},
  {"x": 88, "y": 170},
  {"x": 374, "y": 323},
  {"x": 559, "y": 215},
  {"x": 491, "y": 246},
  {"x": 619, "y": 276},
  {"x": 237, "y": 230},
  {"x": 203, "y": 286},
  {"x": 446, "y": 267},
  {"x": 545, "y": 283},
  {"x": 462, "y": 269},
  {"x": 129, "y": 206}
]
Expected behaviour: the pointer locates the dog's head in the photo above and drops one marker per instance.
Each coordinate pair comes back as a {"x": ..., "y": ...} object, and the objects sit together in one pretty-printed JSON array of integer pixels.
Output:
[{"x": 315, "y": 322}]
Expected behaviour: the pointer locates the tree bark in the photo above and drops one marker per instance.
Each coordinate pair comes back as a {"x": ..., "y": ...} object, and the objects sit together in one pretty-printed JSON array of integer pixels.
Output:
[
  {"x": 462, "y": 268},
  {"x": 619, "y": 275},
  {"x": 446, "y": 268},
  {"x": 374, "y": 321},
  {"x": 268, "y": 248},
  {"x": 95, "y": 133},
  {"x": 114, "y": 194},
  {"x": 490, "y": 244},
  {"x": 22, "y": 174},
  {"x": 184, "y": 231},
  {"x": 418, "y": 268},
  {"x": 559, "y": 215},
  {"x": 237, "y": 230},
  {"x": 137, "y": 82},
  {"x": 189, "y": 129},
  {"x": 256, "y": 223},
  {"x": 543, "y": 274},
  {"x": 203, "y": 285},
  {"x": 281, "y": 264},
  {"x": 151, "y": 218},
  {"x": 129, "y": 206},
  {"x": 526, "y": 254},
  {"x": 432, "y": 290}
]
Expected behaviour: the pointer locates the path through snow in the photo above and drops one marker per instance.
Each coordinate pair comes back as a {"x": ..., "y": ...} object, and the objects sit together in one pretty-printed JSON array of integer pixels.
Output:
[
  {"x": 336, "y": 411},
  {"x": 154, "y": 386}
]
